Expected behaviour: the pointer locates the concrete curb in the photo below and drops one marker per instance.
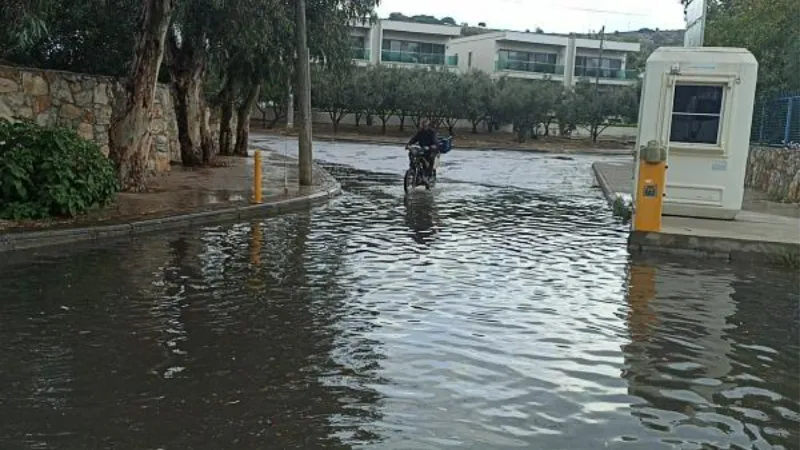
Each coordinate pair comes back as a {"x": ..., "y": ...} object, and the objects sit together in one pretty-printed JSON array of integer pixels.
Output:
[
  {"x": 740, "y": 251},
  {"x": 45, "y": 238},
  {"x": 605, "y": 186}
]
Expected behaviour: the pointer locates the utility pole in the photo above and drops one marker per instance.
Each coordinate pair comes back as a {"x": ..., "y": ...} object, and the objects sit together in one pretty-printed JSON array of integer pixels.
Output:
[
  {"x": 303, "y": 96},
  {"x": 600, "y": 59}
]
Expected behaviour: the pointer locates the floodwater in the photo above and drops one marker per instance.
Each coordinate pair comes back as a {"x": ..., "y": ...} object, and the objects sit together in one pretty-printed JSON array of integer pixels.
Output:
[{"x": 500, "y": 310}]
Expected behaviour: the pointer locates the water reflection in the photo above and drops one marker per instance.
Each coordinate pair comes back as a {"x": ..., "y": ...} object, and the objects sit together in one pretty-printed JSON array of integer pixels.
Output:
[
  {"x": 422, "y": 217},
  {"x": 475, "y": 316},
  {"x": 195, "y": 348},
  {"x": 689, "y": 362}
]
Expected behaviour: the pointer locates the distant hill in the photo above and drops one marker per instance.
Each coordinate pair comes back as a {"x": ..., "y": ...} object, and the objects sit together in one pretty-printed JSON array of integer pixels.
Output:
[{"x": 649, "y": 38}]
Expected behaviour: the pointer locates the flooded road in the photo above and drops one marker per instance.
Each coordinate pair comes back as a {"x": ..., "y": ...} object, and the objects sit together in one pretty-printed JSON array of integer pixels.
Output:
[{"x": 500, "y": 310}]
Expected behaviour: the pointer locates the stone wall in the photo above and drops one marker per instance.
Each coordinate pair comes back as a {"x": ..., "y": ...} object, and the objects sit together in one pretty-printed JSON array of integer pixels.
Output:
[
  {"x": 83, "y": 102},
  {"x": 775, "y": 171}
]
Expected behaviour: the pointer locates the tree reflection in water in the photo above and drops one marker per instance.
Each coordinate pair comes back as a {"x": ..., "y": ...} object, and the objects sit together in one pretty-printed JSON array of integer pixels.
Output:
[
  {"x": 186, "y": 350},
  {"x": 691, "y": 357}
]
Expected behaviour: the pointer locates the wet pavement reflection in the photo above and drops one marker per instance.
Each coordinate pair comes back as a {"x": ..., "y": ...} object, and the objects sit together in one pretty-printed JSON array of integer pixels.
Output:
[{"x": 498, "y": 313}]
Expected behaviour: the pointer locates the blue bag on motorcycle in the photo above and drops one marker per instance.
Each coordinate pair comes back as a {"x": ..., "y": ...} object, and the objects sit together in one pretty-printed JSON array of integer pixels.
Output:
[{"x": 445, "y": 144}]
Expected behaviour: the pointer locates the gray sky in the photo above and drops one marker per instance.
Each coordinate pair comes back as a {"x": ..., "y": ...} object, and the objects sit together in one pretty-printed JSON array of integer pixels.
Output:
[{"x": 554, "y": 16}]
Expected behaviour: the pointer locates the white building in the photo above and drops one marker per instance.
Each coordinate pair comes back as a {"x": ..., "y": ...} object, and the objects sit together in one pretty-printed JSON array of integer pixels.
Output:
[
  {"x": 405, "y": 44},
  {"x": 543, "y": 56}
]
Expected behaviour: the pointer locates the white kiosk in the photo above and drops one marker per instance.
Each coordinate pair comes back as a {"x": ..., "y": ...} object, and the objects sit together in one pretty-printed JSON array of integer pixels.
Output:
[{"x": 697, "y": 104}]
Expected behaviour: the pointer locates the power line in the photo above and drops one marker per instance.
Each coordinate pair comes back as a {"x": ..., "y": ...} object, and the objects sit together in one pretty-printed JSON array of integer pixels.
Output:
[{"x": 573, "y": 8}]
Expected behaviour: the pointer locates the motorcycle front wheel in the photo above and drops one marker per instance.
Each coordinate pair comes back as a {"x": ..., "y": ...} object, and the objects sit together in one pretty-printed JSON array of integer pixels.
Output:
[
  {"x": 431, "y": 181},
  {"x": 408, "y": 180}
]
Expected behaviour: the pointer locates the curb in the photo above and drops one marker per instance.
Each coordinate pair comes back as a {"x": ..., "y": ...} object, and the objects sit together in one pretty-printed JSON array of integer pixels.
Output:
[
  {"x": 10, "y": 242},
  {"x": 605, "y": 186},
  {"x": 738, "y": 251}
]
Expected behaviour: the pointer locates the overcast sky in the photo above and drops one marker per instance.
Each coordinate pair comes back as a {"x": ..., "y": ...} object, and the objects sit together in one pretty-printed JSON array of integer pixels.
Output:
[{"x": 553, "y": 16}]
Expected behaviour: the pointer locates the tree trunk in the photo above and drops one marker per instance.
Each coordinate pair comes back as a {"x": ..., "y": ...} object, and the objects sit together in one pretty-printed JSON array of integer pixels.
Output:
[
  {"x": 402, "y": 122},
  {"x": 277, "y": 117},
  {"x": 129, "y": 133},
  {"x": 187, "y": 67},
  {"x": 243, "y": 120},
  {"x": 335, "y": 119},
  {"x": 358, "y": 119},
  {"x": 475, "y": 126},
  {"x": 226, "y": 106},
  {"x": 383, "y": 124}
]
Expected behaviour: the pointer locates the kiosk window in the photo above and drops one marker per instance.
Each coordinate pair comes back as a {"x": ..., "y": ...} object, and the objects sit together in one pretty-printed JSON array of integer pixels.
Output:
[{"x": 696, "y": 113}]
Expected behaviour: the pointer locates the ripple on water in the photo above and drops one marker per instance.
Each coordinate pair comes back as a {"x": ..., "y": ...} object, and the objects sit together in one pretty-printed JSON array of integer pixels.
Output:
[{"x": 505, "y": 314}]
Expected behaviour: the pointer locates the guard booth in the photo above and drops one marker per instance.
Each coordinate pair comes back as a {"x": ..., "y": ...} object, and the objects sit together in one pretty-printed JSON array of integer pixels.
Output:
[{"x": 696, "y": 109}]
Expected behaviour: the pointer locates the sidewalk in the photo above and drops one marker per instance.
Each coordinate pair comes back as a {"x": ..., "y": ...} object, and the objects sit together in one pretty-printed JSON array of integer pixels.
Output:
[
  {"x": 183, "y": 198},
  {"x": 762, "y": 231}
]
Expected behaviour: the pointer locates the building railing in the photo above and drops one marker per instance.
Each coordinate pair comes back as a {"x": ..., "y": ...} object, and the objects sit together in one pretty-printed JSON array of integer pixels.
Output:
[
  {"x": 360, "y": 53},
  {"x": 776, "y": 121},
  {"x": 529, "y": 66},
  {"x": 606, "y": 73},
  {"x": 418, "y": 58}
]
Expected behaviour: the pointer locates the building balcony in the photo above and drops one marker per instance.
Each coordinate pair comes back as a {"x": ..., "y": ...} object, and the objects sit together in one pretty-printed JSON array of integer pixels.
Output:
[
  {"x": 361, "y": 54},
  {"x": 529, "y": 66},
  {"x": 438, "y": 59},
  {"x": 606, "y": 74}
]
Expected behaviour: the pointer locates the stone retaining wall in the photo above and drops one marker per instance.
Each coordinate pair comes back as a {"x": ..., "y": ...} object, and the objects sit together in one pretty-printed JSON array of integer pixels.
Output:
[
  {"x": 775, "y": 171},
  {"x": 83, "y": 102}
]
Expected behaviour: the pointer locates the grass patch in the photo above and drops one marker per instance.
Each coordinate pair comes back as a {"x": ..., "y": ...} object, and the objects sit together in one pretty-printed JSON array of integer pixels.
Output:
[{"x": 622, "y": 209}]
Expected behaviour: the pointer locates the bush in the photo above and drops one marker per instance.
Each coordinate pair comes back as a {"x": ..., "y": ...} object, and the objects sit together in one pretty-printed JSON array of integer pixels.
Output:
[{"x": 51, "y": 172}]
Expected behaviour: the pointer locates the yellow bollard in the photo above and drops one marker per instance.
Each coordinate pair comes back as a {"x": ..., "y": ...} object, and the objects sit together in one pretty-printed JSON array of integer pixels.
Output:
[
  {"x": 257, "y": 177},
  {"x": 650, "y": 188}
]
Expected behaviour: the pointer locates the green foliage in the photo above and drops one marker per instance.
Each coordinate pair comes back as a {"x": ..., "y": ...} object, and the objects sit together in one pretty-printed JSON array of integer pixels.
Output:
[
  {"x": 47, "y": 172},
  {"x": 529, "y": 105},
  {"x": 622, "y": 208},
  {"x": 596, "y": 109},
  {"x": 89, "y": 36},
  {"x": 768, "y": 29}
]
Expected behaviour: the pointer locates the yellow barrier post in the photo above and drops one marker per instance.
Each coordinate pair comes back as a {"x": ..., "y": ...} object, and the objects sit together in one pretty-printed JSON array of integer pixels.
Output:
[
  {"x": 257, "y": 177},
  {"x": 650, "y": 187}
]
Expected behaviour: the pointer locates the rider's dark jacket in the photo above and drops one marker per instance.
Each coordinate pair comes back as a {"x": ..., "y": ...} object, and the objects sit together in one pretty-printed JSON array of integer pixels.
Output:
[{"x": 425, "y": 137}]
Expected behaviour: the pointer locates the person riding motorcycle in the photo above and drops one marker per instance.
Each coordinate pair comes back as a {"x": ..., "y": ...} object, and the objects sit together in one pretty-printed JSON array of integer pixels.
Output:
[{"x": 427, "y": 138}]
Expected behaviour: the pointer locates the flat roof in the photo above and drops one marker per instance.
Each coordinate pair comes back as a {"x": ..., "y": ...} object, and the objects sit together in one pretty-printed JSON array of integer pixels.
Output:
[
  {"x": 550, "y": 39},
  {"x": 422, "y": 28}
]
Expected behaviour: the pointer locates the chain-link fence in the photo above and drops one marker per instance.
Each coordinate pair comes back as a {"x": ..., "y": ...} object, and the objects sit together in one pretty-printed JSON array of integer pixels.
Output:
[{"x": 776, "y": 121}]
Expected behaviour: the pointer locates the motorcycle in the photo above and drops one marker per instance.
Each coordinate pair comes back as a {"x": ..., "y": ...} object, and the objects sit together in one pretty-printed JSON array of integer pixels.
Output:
[{"x": 418, "y": 174}]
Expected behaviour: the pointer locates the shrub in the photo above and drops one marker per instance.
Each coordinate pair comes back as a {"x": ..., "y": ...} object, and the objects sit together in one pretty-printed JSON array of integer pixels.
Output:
[{"x": 51, "y": 172}]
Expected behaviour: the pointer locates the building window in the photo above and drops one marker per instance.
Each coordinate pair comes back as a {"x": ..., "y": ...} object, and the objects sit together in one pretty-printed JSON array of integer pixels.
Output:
[
  {"x": 358, "y": 48},
  {"x": 393, "y": 50},
  {"x": 696, "y": 114},
  {"x": 527, "y": 61},
  {"x": 590, "y": 66}
]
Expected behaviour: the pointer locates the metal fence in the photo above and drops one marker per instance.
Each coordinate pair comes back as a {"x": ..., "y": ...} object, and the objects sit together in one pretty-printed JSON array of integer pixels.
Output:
[{"x": 776, "y": 121}]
